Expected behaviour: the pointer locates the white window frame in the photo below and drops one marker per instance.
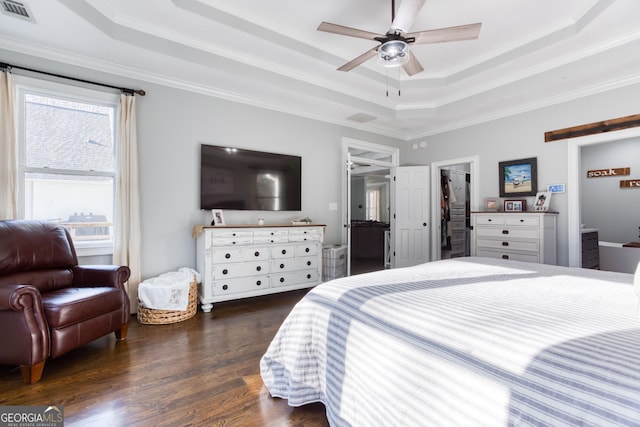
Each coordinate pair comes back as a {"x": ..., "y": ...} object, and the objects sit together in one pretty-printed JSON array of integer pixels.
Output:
[
  {"x": 373, "y": 193},
  {"x": 28, "y": 85}
]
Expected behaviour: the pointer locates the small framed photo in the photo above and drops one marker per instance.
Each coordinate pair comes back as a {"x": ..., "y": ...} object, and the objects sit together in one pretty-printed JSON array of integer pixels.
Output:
[
  {"x": 515, "y": 205},
  {"x": 491, "y": 204},
  {"x": 543, "y": 198},
  {"x": 218, "y": 217}
]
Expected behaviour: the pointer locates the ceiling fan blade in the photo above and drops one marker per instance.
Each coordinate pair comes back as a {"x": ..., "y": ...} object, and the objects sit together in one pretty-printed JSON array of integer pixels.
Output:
[
  {"x": 359, "y": 60},
  {"x": 347, "y": 31},
  {"x": 449, "y": 34},
  {"x": 406, "y": 15},
  {"x": 413, "y": 66}
]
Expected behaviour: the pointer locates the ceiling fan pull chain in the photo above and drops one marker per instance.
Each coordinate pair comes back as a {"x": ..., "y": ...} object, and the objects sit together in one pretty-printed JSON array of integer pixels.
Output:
[{"x": 387, "y": 81}]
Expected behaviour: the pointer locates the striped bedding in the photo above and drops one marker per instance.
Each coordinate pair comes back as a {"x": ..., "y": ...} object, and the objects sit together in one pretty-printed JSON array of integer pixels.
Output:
[{"x": 464, "y": 342}]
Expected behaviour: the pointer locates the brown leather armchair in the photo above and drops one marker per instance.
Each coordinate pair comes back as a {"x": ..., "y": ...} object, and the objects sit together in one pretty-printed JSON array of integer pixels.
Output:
[{"x": 49, "y": 304}]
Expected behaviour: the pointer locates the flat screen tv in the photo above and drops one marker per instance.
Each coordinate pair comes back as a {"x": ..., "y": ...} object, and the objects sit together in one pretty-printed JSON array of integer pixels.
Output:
[{"x": 238, "y": 179}]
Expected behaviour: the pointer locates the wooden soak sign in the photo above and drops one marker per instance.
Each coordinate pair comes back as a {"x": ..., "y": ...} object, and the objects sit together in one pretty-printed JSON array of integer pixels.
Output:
[
  {"x": 630, "y": 183},
  {"x": 599, "y": 173}
]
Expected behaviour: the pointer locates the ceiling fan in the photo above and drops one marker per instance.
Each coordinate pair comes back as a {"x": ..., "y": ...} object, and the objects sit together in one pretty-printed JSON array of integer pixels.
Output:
[{"x": 393, "y": 49}]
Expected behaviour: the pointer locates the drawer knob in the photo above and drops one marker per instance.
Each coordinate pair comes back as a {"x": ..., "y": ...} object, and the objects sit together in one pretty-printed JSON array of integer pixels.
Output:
[
  {"x": 308, "y": 262},
  {"x": 256, "y": 253},
  {"x": 489, "y": 220},
  {"x": 282, "y": 280},
  {"x": 225, "y": 271},
  {"x": 258, "y": 268},
  {"x": 505, "y": 231},
  {"x": 225, "y": 287},
  {"x": 227, "y": 256},
  {"x": 521, "y": 220},
  {"x": 281, "y": 265},
  {"x": 259, "y": 282},
  {"x": 505, "y": 256},
  {"x": 284, "y": 251},
  {"x": 307, "y": 249},
  {"x": 505, "y": 243},
  {"x": 308, "y": 276}
]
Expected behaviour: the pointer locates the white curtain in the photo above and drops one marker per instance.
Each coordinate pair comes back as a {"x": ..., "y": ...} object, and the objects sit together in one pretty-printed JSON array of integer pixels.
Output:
[
  {"x": 127, "y": 215},
  {"x": 8, "y": 160}
]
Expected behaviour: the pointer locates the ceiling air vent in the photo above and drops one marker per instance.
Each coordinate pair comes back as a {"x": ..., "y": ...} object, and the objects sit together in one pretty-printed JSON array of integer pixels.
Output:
[
  {"x": 17, "y": 10},
  {"x": 361, "y": 118}
]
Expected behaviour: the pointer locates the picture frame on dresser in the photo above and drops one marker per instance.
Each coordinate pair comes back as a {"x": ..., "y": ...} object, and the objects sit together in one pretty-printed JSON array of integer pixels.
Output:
[
  {"x": 518, "y": 177},
  {"x": 218, "y": 217},
  {"x": 543, "y": 199},
  {"x": 491, "y": 204},
  {"x": 515, "y": 205}
]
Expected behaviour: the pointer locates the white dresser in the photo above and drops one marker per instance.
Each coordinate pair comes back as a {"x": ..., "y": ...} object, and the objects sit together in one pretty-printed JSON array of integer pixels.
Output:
[
  {"x": 526, "y": 236},
  {"x": 244, "y": 261}
]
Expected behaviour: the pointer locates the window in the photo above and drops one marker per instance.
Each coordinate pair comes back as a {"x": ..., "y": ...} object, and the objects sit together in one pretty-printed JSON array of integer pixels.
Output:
[
  {"x": 67, "y": 160},
  {"x": 373, "y": 205}
]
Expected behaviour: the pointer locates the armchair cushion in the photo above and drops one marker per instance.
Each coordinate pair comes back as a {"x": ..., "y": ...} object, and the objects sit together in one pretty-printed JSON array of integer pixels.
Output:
[{"x": 72, "y": 305}]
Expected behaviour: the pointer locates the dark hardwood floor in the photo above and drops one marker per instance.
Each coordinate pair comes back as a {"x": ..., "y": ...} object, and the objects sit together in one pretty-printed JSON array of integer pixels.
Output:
[{"x": 200, "y": 372}]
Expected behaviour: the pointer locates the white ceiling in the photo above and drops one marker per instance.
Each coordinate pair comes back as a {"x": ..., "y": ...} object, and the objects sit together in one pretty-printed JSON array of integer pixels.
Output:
[{"x": 530, "y": 53}]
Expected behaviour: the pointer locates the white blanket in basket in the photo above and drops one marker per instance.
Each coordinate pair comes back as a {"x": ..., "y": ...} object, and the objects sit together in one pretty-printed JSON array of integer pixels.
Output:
[{"x": 168, "y": 291}]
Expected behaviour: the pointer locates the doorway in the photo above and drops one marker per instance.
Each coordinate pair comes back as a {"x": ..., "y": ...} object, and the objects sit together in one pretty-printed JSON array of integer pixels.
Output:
[
  {"x": 453, "y": 186},
  {"x": 574, "y": 190},
  {"x": 366, "y": 207},
  {"x": 370, "y": 221}
]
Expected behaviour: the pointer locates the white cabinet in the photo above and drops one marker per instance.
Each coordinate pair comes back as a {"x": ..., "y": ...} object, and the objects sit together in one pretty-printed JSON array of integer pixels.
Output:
[
  {"x": 526, "y": 236},
  {"x": 245, "y": 261}
]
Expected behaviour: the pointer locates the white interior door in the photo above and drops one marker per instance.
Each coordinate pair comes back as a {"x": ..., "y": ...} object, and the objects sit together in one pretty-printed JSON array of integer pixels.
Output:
[
  {"x": 347, "y": 224},
  {"x": 410, "y": 222}
]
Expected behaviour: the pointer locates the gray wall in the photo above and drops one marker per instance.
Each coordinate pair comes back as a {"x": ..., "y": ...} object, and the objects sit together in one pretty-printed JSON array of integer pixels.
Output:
[
  {"x": 614, "y": 211},
  {"x": 173, "y": 123},
  {"x": 522, "y": 136}
]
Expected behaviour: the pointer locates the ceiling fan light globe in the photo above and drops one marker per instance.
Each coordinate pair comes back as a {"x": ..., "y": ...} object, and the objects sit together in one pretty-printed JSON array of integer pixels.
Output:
[{"x": 393, "y": 53}]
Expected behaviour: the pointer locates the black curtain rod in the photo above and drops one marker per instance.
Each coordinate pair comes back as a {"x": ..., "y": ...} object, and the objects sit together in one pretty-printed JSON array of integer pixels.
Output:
[{"x": 4, "y": 65}]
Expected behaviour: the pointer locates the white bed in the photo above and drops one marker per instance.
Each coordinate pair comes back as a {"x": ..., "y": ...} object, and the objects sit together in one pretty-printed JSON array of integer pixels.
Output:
[{"x": 464, "y": 342}]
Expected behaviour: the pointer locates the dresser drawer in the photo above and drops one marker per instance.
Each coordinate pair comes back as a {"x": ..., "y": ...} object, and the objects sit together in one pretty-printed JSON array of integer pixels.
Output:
[
  {"x": 231, "y": 241},
  {"x": 239, "y": 285},
  {"x": 222, "y": 271},
  {"x": 223, "y": 256},
  {"x": 270, "y": 239},
  {"x": 507, "y": 245},
  {"x": 508, "y": 255},
  {"x": 508, "y": 233},
  {"x": 294, "y": 278},
  {"x": 271, "y": 233},
  {"x": 489, "y": 220},
  {"x": 255, "y": 254},
  {"x": 279, "y": 252},
  {"x": 530, "y": 221},
  {"x": 293, "y": 264},
  {"x": 307, "y": 250}
]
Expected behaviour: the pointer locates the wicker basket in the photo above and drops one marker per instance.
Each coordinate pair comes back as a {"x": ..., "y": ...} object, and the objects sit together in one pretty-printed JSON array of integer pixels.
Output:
[{"x": 149, "y": 316}]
